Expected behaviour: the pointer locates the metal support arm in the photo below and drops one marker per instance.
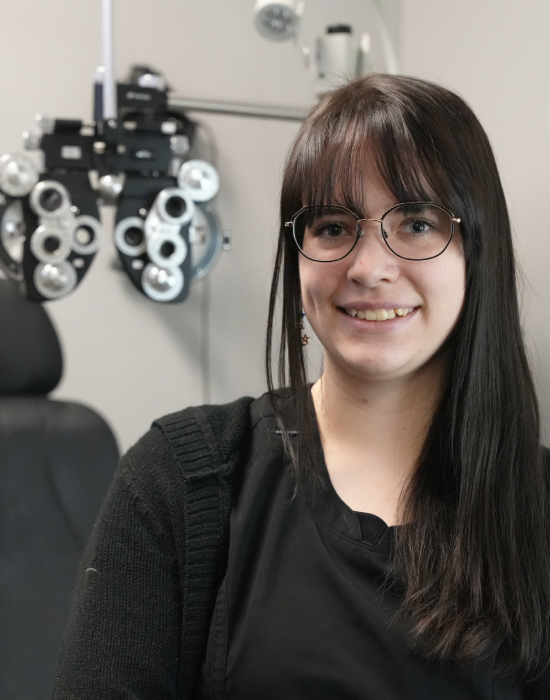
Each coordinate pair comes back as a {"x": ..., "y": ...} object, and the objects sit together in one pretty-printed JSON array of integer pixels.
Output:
[{"x": 238, "y": 109}]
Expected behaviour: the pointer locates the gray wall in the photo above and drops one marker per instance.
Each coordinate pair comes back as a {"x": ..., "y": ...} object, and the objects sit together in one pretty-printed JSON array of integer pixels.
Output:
[{"x": 133, "y": 359}]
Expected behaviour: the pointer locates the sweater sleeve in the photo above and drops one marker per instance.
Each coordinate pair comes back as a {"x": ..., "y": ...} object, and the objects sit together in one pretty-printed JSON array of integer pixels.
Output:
[{"x": 122, "y": 637}]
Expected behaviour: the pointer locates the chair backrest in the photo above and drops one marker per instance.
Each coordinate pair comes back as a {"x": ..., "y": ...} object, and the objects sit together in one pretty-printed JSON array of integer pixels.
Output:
[{"x": 57, "y": 460}]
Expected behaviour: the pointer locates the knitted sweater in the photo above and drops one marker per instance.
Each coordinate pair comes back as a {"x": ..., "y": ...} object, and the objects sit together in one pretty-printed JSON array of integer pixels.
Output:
[{"x": 141, "y": 615}]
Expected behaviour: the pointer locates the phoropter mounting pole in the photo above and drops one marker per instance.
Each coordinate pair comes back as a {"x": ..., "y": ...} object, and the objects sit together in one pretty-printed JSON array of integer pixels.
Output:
[{"x": 109, "y": 84}]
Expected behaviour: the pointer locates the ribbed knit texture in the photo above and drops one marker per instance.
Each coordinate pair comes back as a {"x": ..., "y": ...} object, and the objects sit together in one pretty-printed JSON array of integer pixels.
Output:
[
  {"x": 146, "y": 589},
  {"x": 206, "y": 443},
  {"x": 372, "y": 527}
]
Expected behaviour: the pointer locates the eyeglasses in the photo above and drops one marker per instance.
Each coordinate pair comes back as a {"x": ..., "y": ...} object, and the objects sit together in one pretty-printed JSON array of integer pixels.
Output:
[{"x": 411, "y": 230}]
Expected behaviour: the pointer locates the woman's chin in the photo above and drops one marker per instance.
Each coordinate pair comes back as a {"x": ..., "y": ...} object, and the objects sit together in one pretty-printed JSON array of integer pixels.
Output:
[{"x": 373, "y": 367}]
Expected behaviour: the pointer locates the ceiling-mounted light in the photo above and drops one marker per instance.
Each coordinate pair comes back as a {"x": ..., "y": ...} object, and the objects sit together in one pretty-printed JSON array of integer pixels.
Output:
[
  {"x": 278, "y": 20},
  {"x": 338, "y": 55}
]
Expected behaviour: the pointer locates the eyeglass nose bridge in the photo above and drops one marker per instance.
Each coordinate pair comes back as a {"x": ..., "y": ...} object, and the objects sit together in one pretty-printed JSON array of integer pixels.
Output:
[{"x": 361, "y": 230}]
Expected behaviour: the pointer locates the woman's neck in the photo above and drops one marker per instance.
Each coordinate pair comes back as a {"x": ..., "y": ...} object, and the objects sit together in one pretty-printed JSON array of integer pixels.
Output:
[{"x": 372, "y": 432}]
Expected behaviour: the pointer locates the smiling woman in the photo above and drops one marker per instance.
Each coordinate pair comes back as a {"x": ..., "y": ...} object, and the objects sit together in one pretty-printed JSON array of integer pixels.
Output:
[
  {"x": 382, "y": 534},
  {"x": 430, "y": 417}
]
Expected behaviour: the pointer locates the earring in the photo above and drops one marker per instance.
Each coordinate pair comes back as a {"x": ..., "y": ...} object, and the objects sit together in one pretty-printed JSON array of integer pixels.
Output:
[{"x": 305, "y": 336}]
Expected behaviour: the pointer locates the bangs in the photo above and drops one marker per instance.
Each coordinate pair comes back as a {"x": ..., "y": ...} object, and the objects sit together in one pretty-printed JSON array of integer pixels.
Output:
[{"x": 342, "y": 145}]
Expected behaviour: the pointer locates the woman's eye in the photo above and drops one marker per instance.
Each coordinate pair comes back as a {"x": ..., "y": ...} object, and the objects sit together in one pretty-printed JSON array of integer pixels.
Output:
[
  {"x": 330, "y": 229},
  {"x": 418, "y": 226}
]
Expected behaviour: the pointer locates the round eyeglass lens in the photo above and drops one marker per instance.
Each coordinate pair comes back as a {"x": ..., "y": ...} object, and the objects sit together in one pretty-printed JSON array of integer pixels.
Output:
[
  {"x": 417, "y": 231},
  {"x": 325, "y": 233}
]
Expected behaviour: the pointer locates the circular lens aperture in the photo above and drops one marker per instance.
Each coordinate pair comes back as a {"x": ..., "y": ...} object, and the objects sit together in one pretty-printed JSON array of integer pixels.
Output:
[
  {"x": 86, "y": 237},
  {"x": 417, "y": 230},
  {"x": 130, "y": 236},
  {"x": 325, "y": 233},
  {"x": 175, "y": 207},
  {"x": 50, "y": 245},
  {"x": 50, "y": 200}
]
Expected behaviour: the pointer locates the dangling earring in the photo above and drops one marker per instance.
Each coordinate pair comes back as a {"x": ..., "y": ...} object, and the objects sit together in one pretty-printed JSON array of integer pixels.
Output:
[{"x": 305, "y": 336}]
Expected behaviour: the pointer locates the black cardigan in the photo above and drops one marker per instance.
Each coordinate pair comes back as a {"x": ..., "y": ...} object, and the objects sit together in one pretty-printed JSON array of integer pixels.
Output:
[{"x": 167, "y": 516}]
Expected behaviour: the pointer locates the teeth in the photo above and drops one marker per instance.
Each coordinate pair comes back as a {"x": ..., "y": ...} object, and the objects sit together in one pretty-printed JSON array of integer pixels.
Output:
[{"x": 378, "y": 314}]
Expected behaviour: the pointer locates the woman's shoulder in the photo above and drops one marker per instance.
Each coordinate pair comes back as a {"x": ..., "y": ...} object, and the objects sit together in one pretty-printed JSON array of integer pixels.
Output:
[
  {"x": 192, "y": 440},
  {"x": 180, "y": 451}
]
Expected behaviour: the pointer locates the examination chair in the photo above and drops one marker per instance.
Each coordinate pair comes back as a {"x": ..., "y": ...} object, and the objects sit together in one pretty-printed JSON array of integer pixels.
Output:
[{"x": 57, "y": 460}]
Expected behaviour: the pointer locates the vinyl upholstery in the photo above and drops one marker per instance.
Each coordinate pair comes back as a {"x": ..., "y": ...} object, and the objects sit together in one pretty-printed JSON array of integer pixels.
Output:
[{"x": 57, "y": 460}]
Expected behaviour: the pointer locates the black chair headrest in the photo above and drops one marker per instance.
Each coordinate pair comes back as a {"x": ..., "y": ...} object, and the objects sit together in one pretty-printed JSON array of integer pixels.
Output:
[{"x": 30, "y": 354}]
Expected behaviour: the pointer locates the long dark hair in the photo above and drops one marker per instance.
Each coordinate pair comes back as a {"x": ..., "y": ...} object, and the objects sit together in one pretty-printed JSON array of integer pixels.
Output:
[{"x": 475, "y": 556}]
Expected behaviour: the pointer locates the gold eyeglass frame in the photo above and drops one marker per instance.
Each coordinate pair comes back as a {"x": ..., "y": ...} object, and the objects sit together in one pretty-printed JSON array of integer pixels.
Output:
[{"x": 360, "y": 232}]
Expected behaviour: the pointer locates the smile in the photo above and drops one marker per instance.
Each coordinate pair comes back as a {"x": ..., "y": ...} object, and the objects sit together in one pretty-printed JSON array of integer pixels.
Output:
[{"x": 378, "y": 314}]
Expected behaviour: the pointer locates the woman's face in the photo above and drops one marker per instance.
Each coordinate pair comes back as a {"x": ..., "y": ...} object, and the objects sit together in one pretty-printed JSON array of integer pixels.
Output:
[{"x": 371, "y": 278}]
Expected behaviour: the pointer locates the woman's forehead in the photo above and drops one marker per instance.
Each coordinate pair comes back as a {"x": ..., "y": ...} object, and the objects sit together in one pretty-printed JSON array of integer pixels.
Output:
[{"x": 367, "y": 191}]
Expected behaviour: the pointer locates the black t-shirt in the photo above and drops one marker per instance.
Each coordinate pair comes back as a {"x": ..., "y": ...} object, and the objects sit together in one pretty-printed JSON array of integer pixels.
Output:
[{"x": 306, "y": 609}]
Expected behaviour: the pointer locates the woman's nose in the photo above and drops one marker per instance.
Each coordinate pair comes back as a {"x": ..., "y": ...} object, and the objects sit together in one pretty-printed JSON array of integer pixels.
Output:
[{"x": 371, "y": 259}]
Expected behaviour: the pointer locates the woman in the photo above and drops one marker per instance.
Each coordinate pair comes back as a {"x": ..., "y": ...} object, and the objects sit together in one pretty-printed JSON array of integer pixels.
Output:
[{"x": 388, "y": 535}]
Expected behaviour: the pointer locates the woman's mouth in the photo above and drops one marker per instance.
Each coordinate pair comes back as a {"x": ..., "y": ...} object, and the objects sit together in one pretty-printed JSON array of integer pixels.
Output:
[{"x": 378, "y": 314}]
